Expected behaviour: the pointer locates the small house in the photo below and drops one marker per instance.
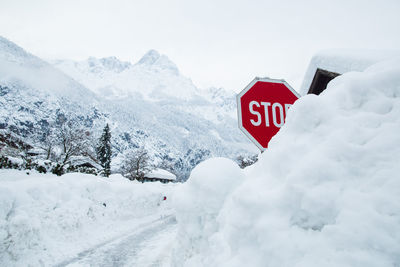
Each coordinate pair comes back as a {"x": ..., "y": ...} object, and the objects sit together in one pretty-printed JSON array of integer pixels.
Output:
[{"x": 159, "y": 175}]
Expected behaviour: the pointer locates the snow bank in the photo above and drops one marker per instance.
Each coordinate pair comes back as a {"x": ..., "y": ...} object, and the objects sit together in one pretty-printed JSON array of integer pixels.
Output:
[
  {"x": 325, "y": 193},
  {"x": 197, "y": 204},
  {"x": 45, "y": 219}
]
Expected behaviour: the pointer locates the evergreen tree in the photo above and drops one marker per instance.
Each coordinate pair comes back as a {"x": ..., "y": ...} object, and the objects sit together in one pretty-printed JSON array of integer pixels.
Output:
[{"x": 104, "y": 151}]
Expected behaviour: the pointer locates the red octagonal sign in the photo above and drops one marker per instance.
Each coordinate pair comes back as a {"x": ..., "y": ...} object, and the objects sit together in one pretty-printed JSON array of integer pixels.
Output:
[{"x": 262, "y": 108}]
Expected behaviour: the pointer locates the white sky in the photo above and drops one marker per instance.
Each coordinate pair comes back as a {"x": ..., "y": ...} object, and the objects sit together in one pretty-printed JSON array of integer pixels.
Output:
[{"x": 215, "y": 43}]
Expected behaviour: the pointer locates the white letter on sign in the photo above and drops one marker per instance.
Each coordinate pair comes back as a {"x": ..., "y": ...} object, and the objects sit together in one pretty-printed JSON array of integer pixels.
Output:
[
  {"x": 266, "y": 105},
  {"x": 279, "y": 106},
  {"x": 252, "y": 111}
]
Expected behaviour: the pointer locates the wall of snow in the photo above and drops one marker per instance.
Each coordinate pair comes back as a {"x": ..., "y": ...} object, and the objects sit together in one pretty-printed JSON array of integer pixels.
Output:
[
  {"x": 45, "y": 219},
  {"x": 198, "y": 203},
  {"x": 325, "y": 193}
]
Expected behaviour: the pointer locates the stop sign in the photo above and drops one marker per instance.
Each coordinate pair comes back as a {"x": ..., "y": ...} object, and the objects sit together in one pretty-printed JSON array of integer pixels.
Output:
[{"x": 262, "y": 108}]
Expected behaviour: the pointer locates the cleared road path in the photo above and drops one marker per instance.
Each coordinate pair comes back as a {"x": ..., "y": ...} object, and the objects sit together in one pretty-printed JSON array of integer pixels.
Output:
[{"x": 149, "y": 245}]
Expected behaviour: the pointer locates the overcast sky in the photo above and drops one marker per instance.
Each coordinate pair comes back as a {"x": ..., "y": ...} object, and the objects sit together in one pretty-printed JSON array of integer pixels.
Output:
[{"x": 219, "y": 43}]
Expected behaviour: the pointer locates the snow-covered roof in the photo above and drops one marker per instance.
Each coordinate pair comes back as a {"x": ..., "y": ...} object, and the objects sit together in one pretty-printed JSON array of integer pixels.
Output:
[
  {"x": 79, "y": 160},
  {"x": 35, "y": 150},
  {"x": 161, "y": 174},
  {"x": 342, "y": 61}
]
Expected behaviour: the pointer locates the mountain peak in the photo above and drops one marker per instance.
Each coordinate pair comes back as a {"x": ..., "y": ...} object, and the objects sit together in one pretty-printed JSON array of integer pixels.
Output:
[
  {"x": 149, "y": 58},
  {"x": 108, "y": 63},
  {"x": 154, "y": 59}
]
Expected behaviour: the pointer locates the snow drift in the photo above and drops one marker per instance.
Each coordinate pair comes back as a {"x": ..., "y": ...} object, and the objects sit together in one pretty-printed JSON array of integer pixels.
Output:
[
  {"x": 45, "y": 219},
  {"x": 325, "y": 193},
  {"x": 198, "y": 204}
]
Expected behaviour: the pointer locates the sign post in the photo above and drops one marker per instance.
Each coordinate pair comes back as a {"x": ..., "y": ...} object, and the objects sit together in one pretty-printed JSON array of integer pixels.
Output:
[{"x": 262, "y": 108}]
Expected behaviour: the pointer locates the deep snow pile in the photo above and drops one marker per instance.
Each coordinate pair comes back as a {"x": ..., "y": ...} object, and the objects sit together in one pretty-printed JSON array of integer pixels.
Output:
[
  {"x": 45, "y": 219},
  {"x": 326, "y": 192},
  {"x": 198, "y": 204}
]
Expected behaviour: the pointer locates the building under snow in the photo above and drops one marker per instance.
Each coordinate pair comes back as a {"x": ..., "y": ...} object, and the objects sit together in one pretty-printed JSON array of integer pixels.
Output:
[
  {"x": 159, "y": 175},
  {"x": 328, "y": 64}
]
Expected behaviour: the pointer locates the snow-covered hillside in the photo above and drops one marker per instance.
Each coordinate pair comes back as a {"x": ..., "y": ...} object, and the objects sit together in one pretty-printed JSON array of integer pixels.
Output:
[
  {"x": 325, "y": 193},
  {"x": 148, "y": 104},
  {"x": 35, "y": 96},
  {"x": 19, "y": 68}
]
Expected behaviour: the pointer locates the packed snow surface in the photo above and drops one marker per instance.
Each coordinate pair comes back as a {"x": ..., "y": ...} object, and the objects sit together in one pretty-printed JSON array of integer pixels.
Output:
[
  {"x": 47, "y": 220},
  {"x": 325, "y": 193}
]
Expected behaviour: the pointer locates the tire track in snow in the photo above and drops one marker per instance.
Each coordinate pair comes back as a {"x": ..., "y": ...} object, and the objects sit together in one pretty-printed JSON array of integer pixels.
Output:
[{"x": 137, "y": 248}]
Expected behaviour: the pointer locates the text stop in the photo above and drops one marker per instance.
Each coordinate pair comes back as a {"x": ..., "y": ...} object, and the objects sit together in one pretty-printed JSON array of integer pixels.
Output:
[{"x": 264, "y": 109}]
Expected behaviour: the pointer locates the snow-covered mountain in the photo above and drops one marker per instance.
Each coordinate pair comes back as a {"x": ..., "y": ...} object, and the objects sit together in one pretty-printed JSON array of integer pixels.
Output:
[
  {"x": 148, "y": 104},
  {"x": 20, "y": 67},
  {"x": 35, "y": 96},
  {"x": 154, "y": 76}
]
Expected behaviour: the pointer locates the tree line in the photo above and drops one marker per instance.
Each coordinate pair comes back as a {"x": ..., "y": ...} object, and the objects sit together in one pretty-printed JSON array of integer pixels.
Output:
[{"x": 69, "y": 147}]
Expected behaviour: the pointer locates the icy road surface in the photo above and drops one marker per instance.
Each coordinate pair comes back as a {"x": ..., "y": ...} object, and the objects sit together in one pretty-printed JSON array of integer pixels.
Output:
[{"x": 149, "y": 245}]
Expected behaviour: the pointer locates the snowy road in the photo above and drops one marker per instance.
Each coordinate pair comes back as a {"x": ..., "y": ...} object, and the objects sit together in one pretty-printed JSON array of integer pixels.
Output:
[{"x": 149, "y": 245}]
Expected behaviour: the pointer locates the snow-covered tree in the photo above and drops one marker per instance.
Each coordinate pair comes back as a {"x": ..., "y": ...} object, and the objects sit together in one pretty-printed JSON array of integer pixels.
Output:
[
  {"x": 136, "y": 165},
  {"x": 71, "y": 140},
  {"x": 47, "y": 140},
  {"x": 103, "y": 151}
]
